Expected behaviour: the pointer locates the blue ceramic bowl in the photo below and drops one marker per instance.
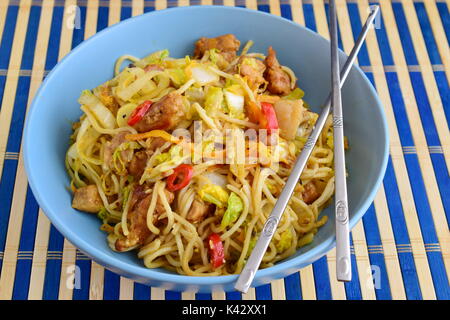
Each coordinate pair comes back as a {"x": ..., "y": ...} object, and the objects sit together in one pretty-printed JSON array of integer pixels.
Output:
[{"x": 91, "y": 63}]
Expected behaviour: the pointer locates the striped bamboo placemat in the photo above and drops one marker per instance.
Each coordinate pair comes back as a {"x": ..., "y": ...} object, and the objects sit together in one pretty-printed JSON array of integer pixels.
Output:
[{"x": 401, "y": 248}]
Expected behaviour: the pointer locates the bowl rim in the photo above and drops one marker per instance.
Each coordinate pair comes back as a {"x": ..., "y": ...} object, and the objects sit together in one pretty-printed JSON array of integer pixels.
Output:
[{"x": 276, "y": 271}]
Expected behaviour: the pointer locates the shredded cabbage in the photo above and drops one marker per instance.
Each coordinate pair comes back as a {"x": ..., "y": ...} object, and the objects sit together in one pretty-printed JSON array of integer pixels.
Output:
[
  {"x": 101, "y": 113},
  {"x": 214, "y": 194},
  {"x": 296, "y": 94},
  {"x": 235, "y": 103},
  {"x": 202, "y": 74},
  {"x": 127, "y": 92},
  {"x": 234, "y": 209},
  {"x": 214, "y": 99}
]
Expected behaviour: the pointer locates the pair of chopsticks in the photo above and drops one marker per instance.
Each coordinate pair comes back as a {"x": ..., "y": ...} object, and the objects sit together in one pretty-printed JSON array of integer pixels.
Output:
[{"x": 343, "y": 265}]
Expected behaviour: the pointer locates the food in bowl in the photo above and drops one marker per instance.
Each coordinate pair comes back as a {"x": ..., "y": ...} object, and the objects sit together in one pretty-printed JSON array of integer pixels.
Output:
[{"x": 183, "y": 159}]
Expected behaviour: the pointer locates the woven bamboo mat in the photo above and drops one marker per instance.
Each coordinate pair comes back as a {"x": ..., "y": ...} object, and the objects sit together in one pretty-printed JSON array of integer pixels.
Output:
[{"x": 401, "y": 248}]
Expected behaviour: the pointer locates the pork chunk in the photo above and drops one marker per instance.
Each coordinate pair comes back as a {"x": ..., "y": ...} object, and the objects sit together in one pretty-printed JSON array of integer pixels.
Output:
[
  {"x": 310, "y": 194},
  {"x": 165, "y": 114},
  {"x": 138, "y": 164},
  {"x": 198, "y": 211},
  {"x": 138, "y": 230},
  {"x": 227, "y": 45},
  {"x": 253, "y": 69},
  {"x": 87, "y": 199},
  {"x": 278, "y": 80}
]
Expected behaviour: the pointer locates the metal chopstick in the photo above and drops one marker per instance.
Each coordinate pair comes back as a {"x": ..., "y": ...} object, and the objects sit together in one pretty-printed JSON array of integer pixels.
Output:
[
  {"x": 248, "y": 273},
  {"x": 343, "y": 262}
]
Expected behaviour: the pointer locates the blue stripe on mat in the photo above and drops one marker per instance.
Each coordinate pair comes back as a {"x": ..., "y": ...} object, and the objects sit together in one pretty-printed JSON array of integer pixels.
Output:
[
  {"x": 286, "y": 11},
  {"x": 78, "y": 31},
  {"x": 233, "y": 295},
  {"x": 427, "y": 33},
  {"x": 308, "y": 14},
  {"x": 203, "y": 296},
  {"x": 377, "y": 262},
  {"x": 55, "y": 35},
  {"x": 363, "y": 56},
  {"x": 82, "y": 279},
  {"x": 173, "y": 295},
  {"x": 263, "y": 292},
  {"x": 141, "y": 291},
  {"x": 8, "y": 36},
  {"x": 111, "y": 286},
  {"x": 23, "y": 268},
  {"x": 53, "y": 268},
  {"x": 444, "y": 92},
  {"x": 322, "y": 279},
  {"x": 292, "y": 287},
  {"x": 445, "y": 18},
  {"x": 405, "y": 37}
]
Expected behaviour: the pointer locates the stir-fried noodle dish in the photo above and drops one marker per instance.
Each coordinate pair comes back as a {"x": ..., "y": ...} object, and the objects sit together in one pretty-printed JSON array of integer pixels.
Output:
[{"x": 182, "y": 160}]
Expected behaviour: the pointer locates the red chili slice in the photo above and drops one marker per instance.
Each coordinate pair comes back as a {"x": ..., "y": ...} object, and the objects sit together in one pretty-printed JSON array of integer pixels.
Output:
[
  {"x": 216, "y": 251},
  {"x": 270, "y": 121},
  {"x": 139, "y": 112},
  {"x": 183, "y": 173}
]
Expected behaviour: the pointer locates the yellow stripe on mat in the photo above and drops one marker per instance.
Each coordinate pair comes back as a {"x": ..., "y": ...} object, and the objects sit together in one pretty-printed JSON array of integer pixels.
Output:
[
  {"x": 229, "y": 3},
  {"x": 160, "y": 4},
  {"x": 137, "y": 7},
  {"x": 423, "y": 270},
  {"x": 91, "y": 18},
  {"x": 307, "y": 281},
  {"x": 337, "y": 287},
  {"x": 220, "y": 295},
  {"x": 251, "y": 4},
  {"x": 13, "y": 236},
  {"x": 426, "y": 166},
  {"x": 38, "y": 265},
  {"x": 126, "y": 289},
  {"x": 96, "y": 282},
  {"x": 297, "y": 12}
]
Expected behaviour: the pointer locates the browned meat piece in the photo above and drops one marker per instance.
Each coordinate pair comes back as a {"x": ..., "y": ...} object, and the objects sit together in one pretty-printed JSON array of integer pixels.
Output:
[
  {"x": 289, "y": 115},
  {"x": 152, "y": 67},
  {"x": 227, "y": 45},
  {"x": 310, "y": 194},
  {"x": 105, "y": 95},
  {"x": 164, "y": 114},
  {"x": 138, "y": 164},
  {"x": 156, "y": 143},
  {"x": 111, "y": 146},
  {"x": 278, "y": 80},
  {"x": 198, "y": 211},
  {"x": 87, "y": 199},
  {"x": 253, "y": 69},
  {"x": 138, "y": 230}
]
